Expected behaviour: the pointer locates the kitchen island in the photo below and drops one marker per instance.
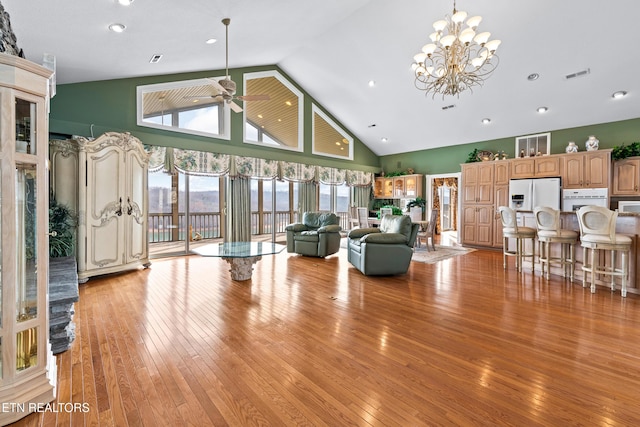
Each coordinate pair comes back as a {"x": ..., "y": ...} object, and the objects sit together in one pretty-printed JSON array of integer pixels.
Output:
[{"x": 627, "y": 224}]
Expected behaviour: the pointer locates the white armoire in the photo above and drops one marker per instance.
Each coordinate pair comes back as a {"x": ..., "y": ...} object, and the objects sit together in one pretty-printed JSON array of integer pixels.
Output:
[{"x": 112, "y": 200}]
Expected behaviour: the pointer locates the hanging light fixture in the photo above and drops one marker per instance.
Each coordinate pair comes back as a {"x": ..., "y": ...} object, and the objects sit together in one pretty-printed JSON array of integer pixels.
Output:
[{"x": 457, "y": 58}]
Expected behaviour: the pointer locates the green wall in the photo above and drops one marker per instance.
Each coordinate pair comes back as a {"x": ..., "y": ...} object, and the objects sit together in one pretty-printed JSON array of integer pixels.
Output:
[
  {"x": 448, "y": 159},
  {"x": 110, "y": 105}
]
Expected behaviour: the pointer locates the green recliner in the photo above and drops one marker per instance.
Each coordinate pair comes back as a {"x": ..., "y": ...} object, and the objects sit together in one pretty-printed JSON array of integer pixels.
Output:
[
  {"x": 317, "y": 235},
  {"x": 386, "y": 250}
]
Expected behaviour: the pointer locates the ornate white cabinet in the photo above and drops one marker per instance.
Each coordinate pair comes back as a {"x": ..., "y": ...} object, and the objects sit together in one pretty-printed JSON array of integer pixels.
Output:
[
  {"x": 112, "y": 205},
  {"x": 27, "y": 366}
]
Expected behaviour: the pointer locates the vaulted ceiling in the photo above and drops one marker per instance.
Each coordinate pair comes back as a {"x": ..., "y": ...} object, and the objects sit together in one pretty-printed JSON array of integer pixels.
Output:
[{"x": 333, "y": 48}]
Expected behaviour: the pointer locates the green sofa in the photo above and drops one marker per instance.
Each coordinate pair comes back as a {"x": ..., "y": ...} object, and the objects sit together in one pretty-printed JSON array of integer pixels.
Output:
[
  {"x": 317, "y": 235},
  {"x": 386, "y": 250}
]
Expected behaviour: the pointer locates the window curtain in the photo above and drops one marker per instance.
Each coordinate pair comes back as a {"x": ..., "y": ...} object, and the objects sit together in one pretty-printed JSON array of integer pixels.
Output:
[
  {"x": 452, "y": 183},
  {"x": 361, "y": 196},
  {"x": 238, "y": 210},
  {"x": 307, "y": 201}
]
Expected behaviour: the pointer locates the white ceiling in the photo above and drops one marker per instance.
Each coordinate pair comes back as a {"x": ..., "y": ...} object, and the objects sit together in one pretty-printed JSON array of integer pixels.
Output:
[{"x": 332, "y": 48}]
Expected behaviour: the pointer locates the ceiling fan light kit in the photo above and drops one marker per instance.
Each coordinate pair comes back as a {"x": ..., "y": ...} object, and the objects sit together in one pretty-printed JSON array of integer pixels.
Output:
[{"x": 457, "y": 58}]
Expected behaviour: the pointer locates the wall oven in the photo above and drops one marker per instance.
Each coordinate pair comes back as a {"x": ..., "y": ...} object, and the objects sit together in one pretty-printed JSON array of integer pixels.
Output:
[{"x": 574, "y": 199}]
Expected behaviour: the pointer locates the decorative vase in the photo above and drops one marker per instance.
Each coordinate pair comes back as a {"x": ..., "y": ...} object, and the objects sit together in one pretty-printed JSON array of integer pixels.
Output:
[
  {"x": 592, "y": 143},
  {"x": 572, "y": 147}
]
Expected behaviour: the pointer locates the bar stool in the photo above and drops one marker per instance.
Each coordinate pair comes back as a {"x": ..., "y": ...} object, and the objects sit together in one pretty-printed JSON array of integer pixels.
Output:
[
  {"x": 511, "y": 230},
  {"x": 598, "y": 232},
  {"x": 549, "y": 231}
]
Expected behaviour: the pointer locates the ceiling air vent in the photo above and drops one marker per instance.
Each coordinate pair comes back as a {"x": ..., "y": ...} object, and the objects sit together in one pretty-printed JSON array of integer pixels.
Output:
[
  {"x": 448, "y": 107},
  {"x": 578, "y": 74},
  {"x": 155, "y": 58}
]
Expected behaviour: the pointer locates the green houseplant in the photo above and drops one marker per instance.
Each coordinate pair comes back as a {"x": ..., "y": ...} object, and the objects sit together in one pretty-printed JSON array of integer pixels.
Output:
[
  {"x": 624, "y": 151},
  {"x": 62, "y": 224},
  {"x": 418, "y": 201}
]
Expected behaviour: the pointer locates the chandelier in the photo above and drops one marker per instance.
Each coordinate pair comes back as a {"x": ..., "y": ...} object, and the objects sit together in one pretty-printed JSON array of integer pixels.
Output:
[{"x": 457, "y": 58}]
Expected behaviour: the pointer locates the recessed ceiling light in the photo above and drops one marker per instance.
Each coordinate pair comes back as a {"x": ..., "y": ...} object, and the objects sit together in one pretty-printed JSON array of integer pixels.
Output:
[
  {"x": 372, "y": 125},
  {"x": 383, "y": 139},
  {"x": 486, "y": 121},
  {"x": 117, "y": 28},
  {"x": 542, "y": 109},
  {"x": 288, "y": 103},
  {"x": 372, "y": 83},
  {"x": 619, "y": 94},
  {"x": 533, "y": 76},
  {"x": 337, "y": 142},
  {"x": 211, "y": 41},
  {"x": 125, "y": 2}
]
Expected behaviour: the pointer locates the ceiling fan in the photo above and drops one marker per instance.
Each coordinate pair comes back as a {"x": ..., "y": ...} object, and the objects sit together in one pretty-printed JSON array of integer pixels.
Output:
[{"x": 226, "y": 88}]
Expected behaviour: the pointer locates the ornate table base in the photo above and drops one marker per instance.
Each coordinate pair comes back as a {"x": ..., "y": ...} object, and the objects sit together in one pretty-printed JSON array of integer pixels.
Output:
[{"x": 241, "y": 268}]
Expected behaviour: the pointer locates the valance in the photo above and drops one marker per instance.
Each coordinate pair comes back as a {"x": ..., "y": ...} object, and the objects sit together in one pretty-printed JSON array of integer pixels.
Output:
[
  {"x": 252, "y": 167},
  {"x": 298, "y": 172},
  {"x": 193, "y": 162}
]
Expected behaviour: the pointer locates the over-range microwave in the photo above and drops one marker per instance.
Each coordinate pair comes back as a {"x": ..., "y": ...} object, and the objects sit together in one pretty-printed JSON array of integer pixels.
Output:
[{"x": 629, "y": 206}]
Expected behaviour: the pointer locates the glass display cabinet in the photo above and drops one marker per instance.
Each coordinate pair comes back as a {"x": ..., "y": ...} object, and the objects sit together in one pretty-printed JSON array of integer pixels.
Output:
[{"x": 27, "y": 366}]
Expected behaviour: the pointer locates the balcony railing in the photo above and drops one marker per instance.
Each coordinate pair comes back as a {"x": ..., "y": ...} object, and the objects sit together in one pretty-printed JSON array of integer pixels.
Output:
[{"x": 206, "y": 225}]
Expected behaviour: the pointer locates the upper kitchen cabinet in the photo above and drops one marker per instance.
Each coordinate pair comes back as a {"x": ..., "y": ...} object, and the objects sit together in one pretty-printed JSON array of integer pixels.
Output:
[
  {"x": 398, "y": 187},
  {"x": 535, "y": 167},
  {"x": 590, "y": 169},
  {"x": 477, "y": 183},
  {"x": 626, "y": 177}
]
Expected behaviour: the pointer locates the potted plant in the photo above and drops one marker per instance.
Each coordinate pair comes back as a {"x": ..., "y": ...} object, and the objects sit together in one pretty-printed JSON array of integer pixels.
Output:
[
  {"x": 62, "y": 224},
  {"x": 418, "y": 201}
]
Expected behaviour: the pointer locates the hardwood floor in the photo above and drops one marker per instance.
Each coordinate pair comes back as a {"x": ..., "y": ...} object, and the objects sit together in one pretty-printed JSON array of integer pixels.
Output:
[{"x": 313, "y": 342}]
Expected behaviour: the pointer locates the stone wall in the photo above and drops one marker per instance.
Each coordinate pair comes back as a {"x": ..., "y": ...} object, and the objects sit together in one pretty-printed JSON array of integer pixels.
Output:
[{"x": 8, "y": 41}]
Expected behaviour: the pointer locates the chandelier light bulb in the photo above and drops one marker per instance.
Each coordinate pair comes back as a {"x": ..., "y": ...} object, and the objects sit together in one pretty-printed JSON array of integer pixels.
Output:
[
  {"x": 482, "y": 38},
  {"x": 420, "y": 57},
  {"x": 428, "y": 49},
  {"x": 448, "y": 40},
  {"x": 619, "y": 94},
  {"x": 474, "y": 21},
  {"x": 434, "y": 36},
  {"x": 459, "y": 17},
  {"x": 440, "y": 25},
  {"x": 492, "y": 46},
  {"x": 467, "y": 35}
]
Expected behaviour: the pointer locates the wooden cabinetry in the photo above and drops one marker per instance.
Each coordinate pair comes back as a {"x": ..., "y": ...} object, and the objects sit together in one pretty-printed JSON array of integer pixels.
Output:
[
  {"x": 398, "y": 187},
  {"x": 501, "y": 197},
  {"x": 27, "y": 365},
  {"x": 477, "y": 225},
  {"x": 478, "y": 201},
  {"x": 626, "y": 177},
  {"x": 501, "y": 172},
  {"x": 113, "y": 205},
  {"x": 535, "y": 167},
  {"x": 477, "y": 183},
  {"x": 590, "y": 169}
]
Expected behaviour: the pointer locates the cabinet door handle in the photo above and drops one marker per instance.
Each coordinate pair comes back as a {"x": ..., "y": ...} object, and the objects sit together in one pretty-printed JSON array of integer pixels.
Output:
[
  {"x": 129, "y": 208},
  {"x": 119, "y": 210}
]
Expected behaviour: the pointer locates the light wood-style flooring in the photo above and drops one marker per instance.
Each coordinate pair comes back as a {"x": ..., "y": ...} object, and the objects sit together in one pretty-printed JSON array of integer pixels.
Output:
[{"x": 313, "y": 342}]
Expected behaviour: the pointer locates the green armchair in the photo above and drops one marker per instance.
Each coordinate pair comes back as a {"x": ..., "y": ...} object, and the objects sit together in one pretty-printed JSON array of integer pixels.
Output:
[
  {"x": 317, "y": 235},
  {"x": 386, "y": 250}
]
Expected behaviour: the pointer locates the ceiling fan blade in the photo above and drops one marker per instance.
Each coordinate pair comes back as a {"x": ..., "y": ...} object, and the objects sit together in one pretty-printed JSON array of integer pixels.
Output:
[
  {"x": 217, "y": 86},
  {"x": 202, "y": 97},
  {"x": 254, "y": 98},
  {"x": 235, "y": 107}
]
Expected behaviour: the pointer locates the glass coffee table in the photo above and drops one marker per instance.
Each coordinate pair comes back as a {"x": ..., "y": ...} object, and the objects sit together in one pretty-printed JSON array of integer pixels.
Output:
[{"x": 240, "y": 255}]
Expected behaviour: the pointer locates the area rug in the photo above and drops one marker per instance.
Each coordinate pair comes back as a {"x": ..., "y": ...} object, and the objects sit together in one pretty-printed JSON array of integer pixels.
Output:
[
  {"x": 441, "y": 253},
  {"x": 430, "y": 257}
]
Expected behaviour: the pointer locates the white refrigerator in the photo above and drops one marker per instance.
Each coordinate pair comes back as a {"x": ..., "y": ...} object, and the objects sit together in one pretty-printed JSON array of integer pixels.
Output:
[{"x": 526, "y": 194}]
